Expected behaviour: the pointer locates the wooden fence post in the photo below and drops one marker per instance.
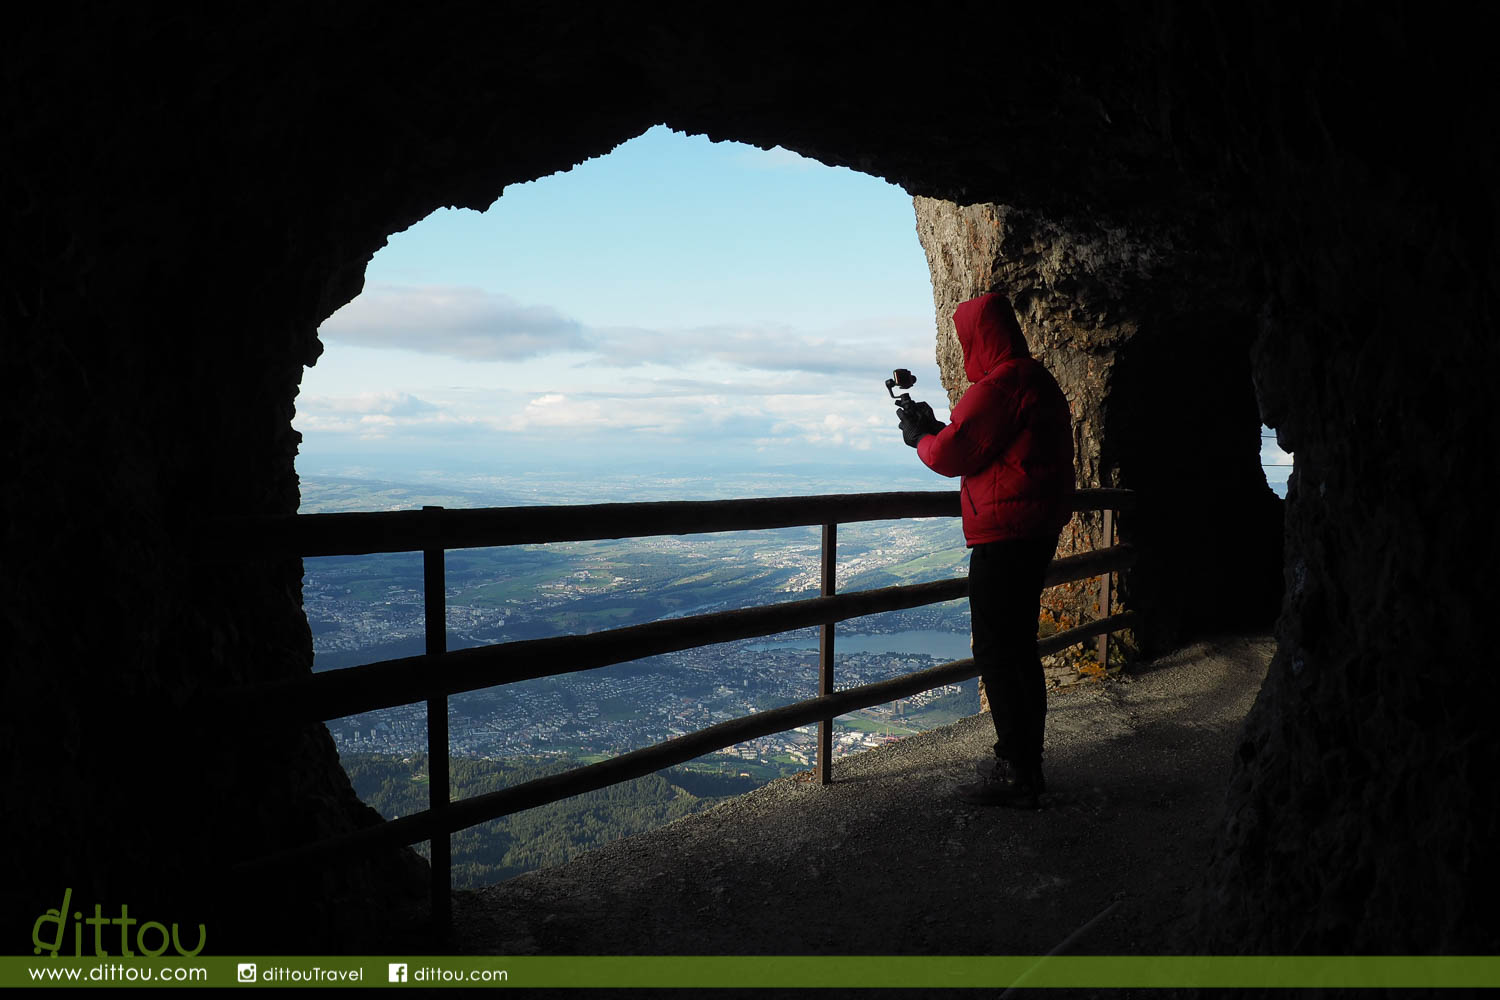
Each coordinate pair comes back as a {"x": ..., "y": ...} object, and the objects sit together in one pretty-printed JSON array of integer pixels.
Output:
[
  {"x": 1105, "y": 588},
  {"x": 825, "y": 652},
  {"x": 435, "y": 607}
]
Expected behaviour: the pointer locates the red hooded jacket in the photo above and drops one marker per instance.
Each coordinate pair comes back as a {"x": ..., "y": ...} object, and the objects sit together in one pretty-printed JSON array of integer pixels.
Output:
[{"x": 1010, "y": 436}]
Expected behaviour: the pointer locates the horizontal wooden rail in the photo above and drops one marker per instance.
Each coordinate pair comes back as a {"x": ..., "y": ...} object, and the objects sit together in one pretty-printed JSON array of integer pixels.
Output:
[
  {"x": 469, "y": 812},
  {"x": 361, "y": 533},
  {"x": 336, "y": 693}
]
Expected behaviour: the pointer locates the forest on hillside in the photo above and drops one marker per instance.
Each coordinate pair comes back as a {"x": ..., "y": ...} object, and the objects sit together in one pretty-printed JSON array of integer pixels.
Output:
[{"x": 547, "y": 835}]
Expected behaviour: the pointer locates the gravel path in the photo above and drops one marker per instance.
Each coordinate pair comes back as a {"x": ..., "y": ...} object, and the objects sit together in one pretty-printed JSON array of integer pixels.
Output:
[{"x": 886, "y": 859}]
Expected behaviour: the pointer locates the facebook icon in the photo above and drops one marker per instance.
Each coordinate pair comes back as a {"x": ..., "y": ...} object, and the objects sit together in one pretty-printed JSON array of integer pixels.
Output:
[{"x": 398, "y": 972}]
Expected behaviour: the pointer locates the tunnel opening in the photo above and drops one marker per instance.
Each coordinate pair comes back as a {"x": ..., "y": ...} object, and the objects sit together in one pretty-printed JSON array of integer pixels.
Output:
[
  {"x": 675, "y": 320},
  {"x": 1185, "y": 431},
  {"x": 698, "y": 305},
  {"x": 394, "y": 356}
]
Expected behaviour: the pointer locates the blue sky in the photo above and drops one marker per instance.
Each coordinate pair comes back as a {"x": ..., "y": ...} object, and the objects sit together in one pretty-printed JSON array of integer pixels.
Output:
[{"x": 677, "y": 304}]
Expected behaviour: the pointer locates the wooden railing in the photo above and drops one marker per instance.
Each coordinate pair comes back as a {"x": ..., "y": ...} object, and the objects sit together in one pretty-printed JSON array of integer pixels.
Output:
[{"x": 438, "y": 674}]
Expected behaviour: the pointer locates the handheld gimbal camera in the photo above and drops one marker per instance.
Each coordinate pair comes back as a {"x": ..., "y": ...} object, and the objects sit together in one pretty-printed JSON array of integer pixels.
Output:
[{"x": 901, "y": 378}]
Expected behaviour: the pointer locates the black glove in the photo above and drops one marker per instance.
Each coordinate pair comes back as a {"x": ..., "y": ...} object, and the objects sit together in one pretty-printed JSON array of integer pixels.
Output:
[{"x": 918, "y": 420}]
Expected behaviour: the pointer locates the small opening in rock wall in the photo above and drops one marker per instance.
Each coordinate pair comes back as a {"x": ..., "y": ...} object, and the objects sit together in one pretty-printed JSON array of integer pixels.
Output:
[{"x": 1275, "y": 463}]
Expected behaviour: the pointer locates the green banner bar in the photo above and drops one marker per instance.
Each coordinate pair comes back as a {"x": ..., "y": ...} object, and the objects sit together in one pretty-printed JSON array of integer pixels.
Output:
[{"x": 771, "y": 971}]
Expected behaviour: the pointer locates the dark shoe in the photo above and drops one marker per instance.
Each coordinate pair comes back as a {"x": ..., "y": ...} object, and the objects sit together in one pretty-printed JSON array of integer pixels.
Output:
[
  {"x": 989, "y": 766},
  {"x": 1006, "y": 785}
]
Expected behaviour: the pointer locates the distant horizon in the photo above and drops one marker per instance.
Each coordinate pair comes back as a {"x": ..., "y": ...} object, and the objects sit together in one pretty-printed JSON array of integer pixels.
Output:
[
  {"x": 644, "y": 480},
  {"x": 637, "y": 481}
]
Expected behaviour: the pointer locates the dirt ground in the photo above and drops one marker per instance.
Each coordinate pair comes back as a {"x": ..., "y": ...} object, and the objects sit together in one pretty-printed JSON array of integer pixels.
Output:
[{"x": 887, "y": 860}]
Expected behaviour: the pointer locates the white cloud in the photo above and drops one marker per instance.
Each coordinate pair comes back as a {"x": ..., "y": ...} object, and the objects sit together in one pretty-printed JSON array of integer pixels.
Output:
[
  {"x": 379, "y": 415},
  {"x": 692, "y": 390},
  {"x": 841, "y": 422},
  {"x": 472, "y": 325},
  {"x": 761, "y": 348},
  {"x": 602, "y": 412},
  {"x": 801, "y": 424},
  {"x": 391, "y": 403},
  {"x": 1271, "y": 453},
  {"x": 459, "y": 322}
]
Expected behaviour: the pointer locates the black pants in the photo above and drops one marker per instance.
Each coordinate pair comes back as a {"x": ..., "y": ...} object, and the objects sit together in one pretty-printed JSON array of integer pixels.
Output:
[{"x": 1005, "y": 593}]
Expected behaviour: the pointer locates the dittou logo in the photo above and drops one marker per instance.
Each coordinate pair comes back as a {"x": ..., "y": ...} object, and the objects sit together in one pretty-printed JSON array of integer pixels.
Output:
[{"x": 132, "y": 936}]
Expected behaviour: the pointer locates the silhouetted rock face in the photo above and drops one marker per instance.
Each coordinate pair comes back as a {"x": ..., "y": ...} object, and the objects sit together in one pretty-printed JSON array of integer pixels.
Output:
[
  {"x": 1147, "y": 330},
  {"x": 190, "y": 197},
  {"x": 1364, "y": 791}
]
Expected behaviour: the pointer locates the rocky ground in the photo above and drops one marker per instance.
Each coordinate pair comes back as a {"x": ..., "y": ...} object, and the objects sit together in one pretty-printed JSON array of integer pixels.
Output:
[{"x": 887, "y": 859}]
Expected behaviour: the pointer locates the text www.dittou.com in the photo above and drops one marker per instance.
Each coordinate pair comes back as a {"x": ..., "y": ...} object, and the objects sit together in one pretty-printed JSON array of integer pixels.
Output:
[{"x": 115, "y": 973}]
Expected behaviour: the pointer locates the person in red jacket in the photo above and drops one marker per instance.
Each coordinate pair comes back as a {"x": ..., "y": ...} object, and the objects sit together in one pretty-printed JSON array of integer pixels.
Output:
[{"x": 1010, "y": 440}]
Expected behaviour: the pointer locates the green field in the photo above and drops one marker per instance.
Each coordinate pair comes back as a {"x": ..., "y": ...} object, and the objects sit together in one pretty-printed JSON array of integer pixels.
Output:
[
  {"x": 879, "y": 727},
  {"x": 928, "y": 566}
]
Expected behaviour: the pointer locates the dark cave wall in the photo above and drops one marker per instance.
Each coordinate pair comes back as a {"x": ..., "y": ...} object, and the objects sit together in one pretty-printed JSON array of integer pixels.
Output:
[
  {"x": 1362, "y": 794},
  {"x": 189, "y": 197},
  {"x": 192, "y": 197},
  {"x": 161, "y": 318}
]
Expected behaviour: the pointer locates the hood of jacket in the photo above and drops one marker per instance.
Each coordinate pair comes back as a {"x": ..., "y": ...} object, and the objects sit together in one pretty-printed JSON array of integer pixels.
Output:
[{"x": 988, "y": 333}]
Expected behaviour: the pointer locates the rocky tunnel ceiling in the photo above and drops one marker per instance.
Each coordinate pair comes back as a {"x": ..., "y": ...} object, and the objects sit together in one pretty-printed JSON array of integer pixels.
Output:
[{"x": 190, "y": 196}]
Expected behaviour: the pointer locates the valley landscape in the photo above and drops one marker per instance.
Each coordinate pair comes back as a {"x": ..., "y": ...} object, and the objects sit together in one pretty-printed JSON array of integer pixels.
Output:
[{"x": 366, "y": 608}]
